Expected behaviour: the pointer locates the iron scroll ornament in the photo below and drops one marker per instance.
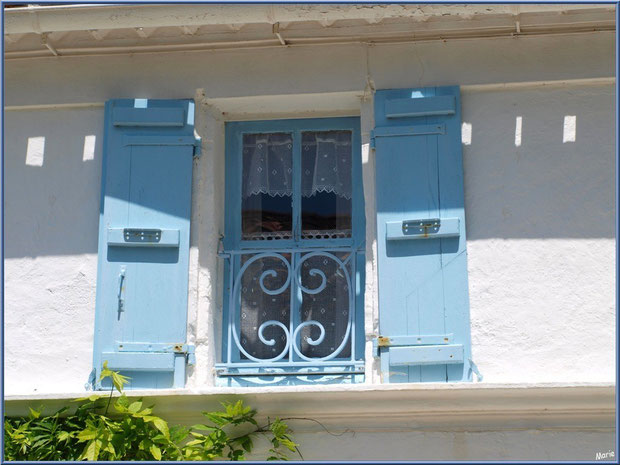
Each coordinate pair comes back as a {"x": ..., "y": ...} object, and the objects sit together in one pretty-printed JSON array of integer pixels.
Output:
[{"x": 291, "y": 342}]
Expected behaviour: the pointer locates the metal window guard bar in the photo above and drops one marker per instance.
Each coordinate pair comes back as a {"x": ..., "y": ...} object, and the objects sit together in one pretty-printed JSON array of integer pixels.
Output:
[{"x": 291, "y": 360}]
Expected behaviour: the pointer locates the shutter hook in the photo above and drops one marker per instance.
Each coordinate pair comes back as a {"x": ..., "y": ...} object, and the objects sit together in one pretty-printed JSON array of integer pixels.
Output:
[{"x": 121, "y": 300}]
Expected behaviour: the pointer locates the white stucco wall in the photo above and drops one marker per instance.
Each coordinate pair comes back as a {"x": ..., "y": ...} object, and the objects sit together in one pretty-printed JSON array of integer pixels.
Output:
[
  {"x": 540, "y": 233},
  {"x": 539, "y": 216}
]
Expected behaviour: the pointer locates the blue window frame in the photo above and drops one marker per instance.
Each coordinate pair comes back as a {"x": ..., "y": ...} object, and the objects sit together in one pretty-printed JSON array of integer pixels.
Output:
[{"x": 294, "y": 253}]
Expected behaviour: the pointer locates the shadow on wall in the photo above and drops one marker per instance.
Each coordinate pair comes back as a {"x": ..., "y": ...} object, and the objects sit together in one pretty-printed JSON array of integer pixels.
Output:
[
  {"x": 539, "y": 163},
  {"x": 52, "y": 182}
]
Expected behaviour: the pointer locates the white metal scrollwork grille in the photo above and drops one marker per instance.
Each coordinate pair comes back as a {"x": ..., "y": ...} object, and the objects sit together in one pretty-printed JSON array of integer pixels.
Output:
[{"x": 292, "y": 308}]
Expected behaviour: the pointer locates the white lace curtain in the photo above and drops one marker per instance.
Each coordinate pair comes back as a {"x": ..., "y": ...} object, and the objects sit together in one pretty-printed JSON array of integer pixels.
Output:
[{"x": 325, "y": 164}]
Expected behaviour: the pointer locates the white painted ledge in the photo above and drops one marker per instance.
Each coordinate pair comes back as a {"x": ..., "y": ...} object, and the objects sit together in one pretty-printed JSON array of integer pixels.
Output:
[{"x": 436, "y": 406}]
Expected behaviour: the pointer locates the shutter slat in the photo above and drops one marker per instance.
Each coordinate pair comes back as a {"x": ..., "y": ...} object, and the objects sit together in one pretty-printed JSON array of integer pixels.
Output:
[
  {"x": 139, "y": 361},
  {"x": 414, "y": 107},
  {"x": 426, "y": 355},
  {"x": 145, "y": 117}
]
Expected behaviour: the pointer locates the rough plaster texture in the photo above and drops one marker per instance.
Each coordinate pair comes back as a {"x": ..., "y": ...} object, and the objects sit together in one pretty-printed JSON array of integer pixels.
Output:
[
  {"x": 540, "y": 231},
  {"x": 51, "y": 220},
  {"x": 539, "y": 216}
]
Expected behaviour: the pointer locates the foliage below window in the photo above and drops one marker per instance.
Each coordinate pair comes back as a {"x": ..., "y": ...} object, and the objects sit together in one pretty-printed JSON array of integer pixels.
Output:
[{"x": 132, "y": 432}]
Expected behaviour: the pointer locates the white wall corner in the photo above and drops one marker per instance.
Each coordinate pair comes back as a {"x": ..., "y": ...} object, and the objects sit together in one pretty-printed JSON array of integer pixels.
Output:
[
  {"x": 207, "y": 218},
  {"x": 371, "y": 303}
]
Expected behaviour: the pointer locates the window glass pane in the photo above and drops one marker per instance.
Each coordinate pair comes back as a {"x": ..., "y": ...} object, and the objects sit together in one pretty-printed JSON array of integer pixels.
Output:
[
  {"x": 267, "y": 184},
  {"x": 326, "y": 184}
]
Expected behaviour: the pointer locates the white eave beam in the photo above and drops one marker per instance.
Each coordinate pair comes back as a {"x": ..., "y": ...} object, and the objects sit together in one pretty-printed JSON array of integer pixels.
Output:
[{"x": 83, "y": 17}]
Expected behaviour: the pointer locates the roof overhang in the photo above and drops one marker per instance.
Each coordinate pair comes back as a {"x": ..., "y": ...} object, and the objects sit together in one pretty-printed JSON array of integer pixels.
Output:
[{"x": 69, "y": 30}]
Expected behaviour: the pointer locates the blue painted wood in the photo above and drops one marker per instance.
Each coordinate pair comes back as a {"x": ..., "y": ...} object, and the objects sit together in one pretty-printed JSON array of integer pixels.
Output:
[
  {"x": 232, "y": 237},
  {"x": 407, "y": 107},
  {"x": 425, "y": 355},
  {"x": 142, "y": 291},
  {"x": 145, "y": 117},
  {"x": 139, "y": 361},
  {"x": 422, "y": 283},
  {"x": 418, "y": 130},
  {"x": 403, "y": 230},
  {"x": 159, "y": 140}
]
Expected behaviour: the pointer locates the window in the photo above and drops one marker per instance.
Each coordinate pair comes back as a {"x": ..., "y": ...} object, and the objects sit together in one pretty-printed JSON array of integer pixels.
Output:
[{"x": 294, "y": 246}]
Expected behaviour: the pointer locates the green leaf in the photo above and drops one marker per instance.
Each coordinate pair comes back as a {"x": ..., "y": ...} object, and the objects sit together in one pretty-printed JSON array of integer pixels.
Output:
[
  {"x": 105, "y": 371},
  {"x": 91, "y": 452},
  {"x": 247, "y": 444},
  {"x": 134, "y": 407},
  {"x": 200, "y": 427},
  {"x": 290, "y": 445},
  {"x": 145, "y": 444},
  {"x": 162, "y": 426},
  {"x": 34, "y": 413},
  {"x": 216, "y": 418},
  {"x": 156, "y": 451},
  {"x": 178, "y": 433},
  {"x": 278, "y": 428},
  {"x": 87, "y": 435},
  {"x": 110, "y": 448},
  {"x": 119, "y": 381},
  {"x": 194, "y": 442},
  {"x": 63, "y": 436}
]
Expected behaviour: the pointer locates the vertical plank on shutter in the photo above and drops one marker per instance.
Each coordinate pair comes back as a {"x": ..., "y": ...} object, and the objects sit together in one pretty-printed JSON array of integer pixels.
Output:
[{"x": 454, "y": 250}]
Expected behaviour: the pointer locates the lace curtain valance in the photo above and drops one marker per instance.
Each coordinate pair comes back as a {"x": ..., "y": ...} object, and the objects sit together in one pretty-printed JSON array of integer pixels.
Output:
[{"x": 325, "y": 164}]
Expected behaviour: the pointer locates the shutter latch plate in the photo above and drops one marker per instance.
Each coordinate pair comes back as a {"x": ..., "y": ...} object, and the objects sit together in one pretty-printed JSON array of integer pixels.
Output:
[
  {"x": 160, "y": 347},
  {"x": 414, "y": 340}
]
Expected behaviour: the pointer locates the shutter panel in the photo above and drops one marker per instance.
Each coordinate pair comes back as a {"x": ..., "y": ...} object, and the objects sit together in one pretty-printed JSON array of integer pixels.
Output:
[
  {"x": 142, "y": 282},
  {"x": 422, "y": 262}
]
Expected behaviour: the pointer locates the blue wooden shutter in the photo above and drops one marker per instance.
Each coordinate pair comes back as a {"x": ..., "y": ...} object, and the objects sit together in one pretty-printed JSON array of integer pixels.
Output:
[
  {"x": 142, "y": 282},
  {"x": 422, "y": 261}
]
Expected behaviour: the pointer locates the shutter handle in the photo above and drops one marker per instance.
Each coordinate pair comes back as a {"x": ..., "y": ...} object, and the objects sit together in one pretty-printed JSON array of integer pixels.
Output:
[{"x": 121, "y": 288}]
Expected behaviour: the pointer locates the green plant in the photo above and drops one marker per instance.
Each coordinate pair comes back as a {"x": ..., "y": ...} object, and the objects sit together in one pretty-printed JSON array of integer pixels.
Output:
[{"x": 132, "y": 432}]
